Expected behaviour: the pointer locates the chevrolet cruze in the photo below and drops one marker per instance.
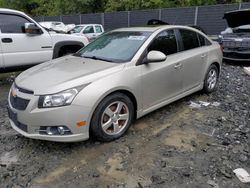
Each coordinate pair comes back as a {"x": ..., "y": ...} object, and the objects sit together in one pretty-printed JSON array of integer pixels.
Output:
[{"x": 121, "y": 76}]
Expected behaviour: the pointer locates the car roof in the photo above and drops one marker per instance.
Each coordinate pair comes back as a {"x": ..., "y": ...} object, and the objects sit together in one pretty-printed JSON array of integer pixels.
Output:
[
  {"x": 6, "y": 10},
  {"x": 86, "y": 24},
  {"x": 51, "y": 22},
  {"x": 153, "y": 28}
]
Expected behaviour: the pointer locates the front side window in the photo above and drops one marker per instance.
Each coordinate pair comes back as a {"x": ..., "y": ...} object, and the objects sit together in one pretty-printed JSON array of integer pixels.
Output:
[
  {"x": 98, "y": 29},
  {"x": 88, "y": 29},
  {"x": 77, "y": 29},
  {"x": 189, "y": 38},
  {"x": 115, "y": 47},
  {"x": 12, "y": 23},
  {"x": 165, "y": 42}
]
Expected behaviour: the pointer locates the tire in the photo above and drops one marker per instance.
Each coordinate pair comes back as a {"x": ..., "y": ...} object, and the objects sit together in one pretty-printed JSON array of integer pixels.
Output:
[
  {"x": 112, "y": 117},
  {"x": 211, "y": 79}
]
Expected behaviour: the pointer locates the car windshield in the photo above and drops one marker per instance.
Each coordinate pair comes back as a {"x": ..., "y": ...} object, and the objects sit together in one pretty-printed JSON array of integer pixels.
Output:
[
  {"x": 117, "y": 47},
  {"x": 77, "y": 29}
]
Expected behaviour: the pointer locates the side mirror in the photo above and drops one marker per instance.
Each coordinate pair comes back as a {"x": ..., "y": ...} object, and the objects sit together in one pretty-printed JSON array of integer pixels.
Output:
[
  {"x": 155, "y": 57},
  {"x": 32, "y": 28}
]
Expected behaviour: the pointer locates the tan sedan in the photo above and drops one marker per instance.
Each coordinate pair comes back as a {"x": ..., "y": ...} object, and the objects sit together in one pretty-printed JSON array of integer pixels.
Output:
[{"x": 121, "y": 76}]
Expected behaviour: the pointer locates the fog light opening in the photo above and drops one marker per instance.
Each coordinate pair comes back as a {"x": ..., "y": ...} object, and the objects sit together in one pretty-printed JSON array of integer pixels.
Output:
[
  {"x": 61, "y": 130},
  {"x": 55, "y": 130},
  {"x": 49, "y": 131}
]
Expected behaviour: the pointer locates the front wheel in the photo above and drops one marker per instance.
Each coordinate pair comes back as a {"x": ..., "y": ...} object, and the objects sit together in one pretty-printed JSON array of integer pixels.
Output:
[
  {"x": 112, "y": 117},
  {"x": 211, "y": 79}
]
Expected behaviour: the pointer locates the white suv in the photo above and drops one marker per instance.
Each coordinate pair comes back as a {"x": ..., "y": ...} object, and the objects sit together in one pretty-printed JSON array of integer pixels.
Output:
[{"x": 23, "y": 42}]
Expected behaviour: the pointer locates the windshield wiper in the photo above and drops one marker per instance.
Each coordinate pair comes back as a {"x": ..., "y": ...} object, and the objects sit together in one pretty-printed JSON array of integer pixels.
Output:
[{"x": 98, "y": 58}]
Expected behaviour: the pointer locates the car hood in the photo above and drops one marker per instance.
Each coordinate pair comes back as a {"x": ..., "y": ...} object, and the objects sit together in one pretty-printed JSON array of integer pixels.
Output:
[
  {"x": 237, "y": 18},
  {"x": 64, "y": 73}
]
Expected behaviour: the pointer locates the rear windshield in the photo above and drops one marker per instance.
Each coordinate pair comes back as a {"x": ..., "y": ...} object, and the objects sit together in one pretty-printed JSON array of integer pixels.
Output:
[{"x": 115, "y": 47}]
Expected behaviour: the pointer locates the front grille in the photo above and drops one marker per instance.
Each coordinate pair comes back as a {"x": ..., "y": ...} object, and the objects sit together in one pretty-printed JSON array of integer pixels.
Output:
[
  {"x": 236, "y": 44},
  {"x": 13, "y": 117},
  {"x": 23, "y": 90},
  {"x": 18, "y": 103},
  {"x": 21, "y": 126}
]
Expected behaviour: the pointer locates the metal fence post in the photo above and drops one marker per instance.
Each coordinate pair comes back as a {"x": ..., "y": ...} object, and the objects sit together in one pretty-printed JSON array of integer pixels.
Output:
[
  {"x": 128, "y": 18},
  {"x": 240, "y": 5},
  {"x": 196, "y": 15},
  {"x": 80, "y": 18},
  {"x": 159, "y": 14},
  {"x": 102, "y": 19},
  {"x": 61, "y": 19}
]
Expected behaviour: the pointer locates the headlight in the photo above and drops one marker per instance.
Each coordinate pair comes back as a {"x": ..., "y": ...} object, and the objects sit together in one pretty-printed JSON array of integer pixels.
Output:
[{"x": 60, "y": 99}]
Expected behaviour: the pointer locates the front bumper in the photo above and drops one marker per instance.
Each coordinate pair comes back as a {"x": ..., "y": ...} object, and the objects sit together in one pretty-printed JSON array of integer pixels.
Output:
[
  {"x": 235, "y": 55},
  {"x": 29, "y": 121}
]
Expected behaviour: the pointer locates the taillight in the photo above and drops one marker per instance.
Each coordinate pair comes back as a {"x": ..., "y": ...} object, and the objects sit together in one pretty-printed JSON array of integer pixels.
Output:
[{"x": 221, "y": 48}]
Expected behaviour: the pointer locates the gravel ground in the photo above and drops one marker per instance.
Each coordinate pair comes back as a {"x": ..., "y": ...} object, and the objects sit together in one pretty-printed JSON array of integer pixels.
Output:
[{"x": 175, "y": 146}]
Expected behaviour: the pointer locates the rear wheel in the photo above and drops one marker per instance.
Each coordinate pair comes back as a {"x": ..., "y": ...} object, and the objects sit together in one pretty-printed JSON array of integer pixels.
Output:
[
  {"x": 211, "y": 79},
  {"x": 112, "y": 117}
]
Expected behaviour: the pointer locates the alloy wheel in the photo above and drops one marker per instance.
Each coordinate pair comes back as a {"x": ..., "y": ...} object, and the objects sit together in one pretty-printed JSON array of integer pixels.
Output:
[
  {"x": 115, "y": 118},
  {"x": 212, "y": 79}
]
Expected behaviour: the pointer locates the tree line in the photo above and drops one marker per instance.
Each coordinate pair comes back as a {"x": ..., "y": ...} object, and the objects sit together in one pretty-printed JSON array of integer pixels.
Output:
[{"x": 65, "y": 7}]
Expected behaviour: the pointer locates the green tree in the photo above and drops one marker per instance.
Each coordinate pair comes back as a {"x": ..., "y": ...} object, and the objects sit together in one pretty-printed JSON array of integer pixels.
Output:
[{"x": 64, "y": 7}]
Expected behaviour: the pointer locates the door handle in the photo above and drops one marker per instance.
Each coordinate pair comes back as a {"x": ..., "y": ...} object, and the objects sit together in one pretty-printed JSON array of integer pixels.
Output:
[
  {"x": 178, "y": 66},
  {"x": 7, "y": 40},
  {"x": 203, "y": 55}
]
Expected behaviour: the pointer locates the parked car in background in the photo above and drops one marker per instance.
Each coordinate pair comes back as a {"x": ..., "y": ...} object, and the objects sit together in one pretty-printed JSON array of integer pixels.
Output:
[
  {"x": 23, "y": 42},
  {"x": 59, "y": 27},
  {"x": 91, "y": 31},
  {"x": 235, "y": 40},
  {"x": 122, "y": 75},
  {"x": 156, "y": 22}
]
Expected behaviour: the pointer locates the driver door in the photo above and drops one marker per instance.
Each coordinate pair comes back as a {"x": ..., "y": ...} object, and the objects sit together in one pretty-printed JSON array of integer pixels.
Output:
[
  {"x": 20, "y": 48},
  {"x": 162, "y": 81}
]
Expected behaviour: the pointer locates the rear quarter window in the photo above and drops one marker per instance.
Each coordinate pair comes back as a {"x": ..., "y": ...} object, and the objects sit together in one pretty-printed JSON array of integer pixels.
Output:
[{"x": 203, "y": 40}]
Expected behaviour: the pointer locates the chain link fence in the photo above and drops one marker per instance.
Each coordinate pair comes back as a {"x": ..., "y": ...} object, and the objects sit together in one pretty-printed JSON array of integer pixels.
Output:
[{"x": 207, "y": 17}]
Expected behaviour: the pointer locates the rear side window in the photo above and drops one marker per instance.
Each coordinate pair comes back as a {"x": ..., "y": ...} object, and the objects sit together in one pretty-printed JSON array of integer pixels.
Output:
[
  {"x": 12, "y": 23},
  {"x": 190, "y": 39},
  {"x": 98, "y": 29},
  {"x": 165, "y": 42}
]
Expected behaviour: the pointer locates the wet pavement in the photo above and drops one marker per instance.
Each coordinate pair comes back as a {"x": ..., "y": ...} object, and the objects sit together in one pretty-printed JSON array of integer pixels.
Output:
[{"x": 175, "y": 146}]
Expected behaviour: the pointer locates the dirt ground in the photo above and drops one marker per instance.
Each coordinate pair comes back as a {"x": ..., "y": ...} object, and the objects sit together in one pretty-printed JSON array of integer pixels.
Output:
[{"x": 175, "y": 146}]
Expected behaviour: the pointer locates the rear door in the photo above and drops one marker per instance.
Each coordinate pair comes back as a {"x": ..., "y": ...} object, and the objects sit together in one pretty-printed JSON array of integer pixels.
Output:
[
  {"x": 193, "y": 57},
  {"x": 98, "y": 30},
  {"x": 20, "y": 48}
]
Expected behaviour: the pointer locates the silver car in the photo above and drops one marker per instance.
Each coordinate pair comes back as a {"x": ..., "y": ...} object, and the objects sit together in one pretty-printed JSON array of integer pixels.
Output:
[{"x": 123, "y": 75}]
